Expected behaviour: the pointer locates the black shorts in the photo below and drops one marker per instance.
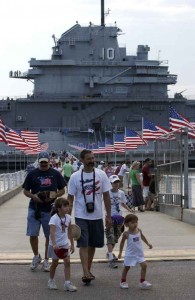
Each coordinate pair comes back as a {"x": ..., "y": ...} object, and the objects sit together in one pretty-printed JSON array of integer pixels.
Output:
[
  {"x": 66, "y": 179},
  {"x": 92, "y": 233}
]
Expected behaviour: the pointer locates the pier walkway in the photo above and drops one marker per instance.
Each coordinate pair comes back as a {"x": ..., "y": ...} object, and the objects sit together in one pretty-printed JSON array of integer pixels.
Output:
[
  {"x": 171, "y": 239},
  {"x": 171, "y": 262}
]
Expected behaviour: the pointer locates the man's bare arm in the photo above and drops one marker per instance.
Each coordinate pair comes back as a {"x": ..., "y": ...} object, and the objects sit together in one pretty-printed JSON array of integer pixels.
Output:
[
  {"x": 70, "y": 199},
  {"x": 60, "y": 193},
  {"x": 107, "y": 203}
]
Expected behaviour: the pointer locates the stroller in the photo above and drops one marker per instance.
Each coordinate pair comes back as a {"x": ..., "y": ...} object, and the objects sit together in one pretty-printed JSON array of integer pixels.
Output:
[{"x": 129, "y": 198}]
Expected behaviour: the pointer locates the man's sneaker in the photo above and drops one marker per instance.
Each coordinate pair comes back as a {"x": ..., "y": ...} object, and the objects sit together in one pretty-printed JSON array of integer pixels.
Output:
[
  {"x": 35, "y": 262},
  {"x": 70, "y": 287},
  {"x": 145, "y": 285},
  {"x": 114, "y": 256},
  {"x": 45, "y": 266},
  {"x": 112, "y": 264},
  {"x": 124, "y": 285},
  {"x": 51, "y": 284}
]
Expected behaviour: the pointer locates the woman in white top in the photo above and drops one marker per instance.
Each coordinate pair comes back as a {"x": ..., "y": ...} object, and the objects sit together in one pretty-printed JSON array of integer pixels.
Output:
[{"x": 134, "y": 252}]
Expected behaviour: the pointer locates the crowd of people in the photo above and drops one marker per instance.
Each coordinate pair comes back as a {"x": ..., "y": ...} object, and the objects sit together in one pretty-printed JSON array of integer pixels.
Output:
[{"x": 87, "y": 185}]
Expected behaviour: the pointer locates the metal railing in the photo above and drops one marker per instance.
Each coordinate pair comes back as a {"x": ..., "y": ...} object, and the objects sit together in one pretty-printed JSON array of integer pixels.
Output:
[{"x": 8, "y": 181}]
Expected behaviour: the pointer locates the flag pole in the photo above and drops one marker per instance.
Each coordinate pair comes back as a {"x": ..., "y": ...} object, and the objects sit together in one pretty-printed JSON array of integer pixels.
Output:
[
  {"x": 15, "y": 160},
  {"x": 142, "y": 126},
  {"x": 125, "y": 142},
  {"x": 113, "y": 138}
]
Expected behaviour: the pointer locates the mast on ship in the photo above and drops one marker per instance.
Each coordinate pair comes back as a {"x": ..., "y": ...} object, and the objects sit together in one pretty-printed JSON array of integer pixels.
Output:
[{"x": 102, "y": 13}]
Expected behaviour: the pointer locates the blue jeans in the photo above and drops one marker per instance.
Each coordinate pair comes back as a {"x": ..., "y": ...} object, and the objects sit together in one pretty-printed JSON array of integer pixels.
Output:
[{"x": 33, "y": 225}]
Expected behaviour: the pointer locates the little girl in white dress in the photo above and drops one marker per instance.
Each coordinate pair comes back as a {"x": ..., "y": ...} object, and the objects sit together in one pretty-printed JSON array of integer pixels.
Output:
[{"x": 134, "y": 251}]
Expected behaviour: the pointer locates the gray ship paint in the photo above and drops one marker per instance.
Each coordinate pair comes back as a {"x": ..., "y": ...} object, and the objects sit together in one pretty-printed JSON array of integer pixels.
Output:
[{"x": 91, "y": 82}]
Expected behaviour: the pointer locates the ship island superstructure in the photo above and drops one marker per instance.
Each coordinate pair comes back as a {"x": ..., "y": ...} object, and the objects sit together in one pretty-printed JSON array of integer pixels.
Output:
[{"x": 91, "y": 82}]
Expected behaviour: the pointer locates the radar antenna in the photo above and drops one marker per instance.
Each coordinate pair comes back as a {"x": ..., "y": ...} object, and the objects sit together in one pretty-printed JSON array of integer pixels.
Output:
[{"x": 55, "y": 39}]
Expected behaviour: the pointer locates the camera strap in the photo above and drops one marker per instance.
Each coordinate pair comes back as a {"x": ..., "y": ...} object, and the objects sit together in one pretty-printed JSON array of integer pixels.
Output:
[
  {"x": 63, "y": 224},
  {"x": 83, "y": 190}
]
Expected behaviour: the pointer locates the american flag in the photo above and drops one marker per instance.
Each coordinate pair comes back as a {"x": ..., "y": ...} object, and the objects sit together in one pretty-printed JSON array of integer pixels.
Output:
[
  {"x": 152, "y": 132},
  {"x": 30, "y": 137},
  {"x": 79, "y": 148},
  {"x": 119, "y": 142},
  {"x": 2, "y": 132},
  {"x": 101, "y": 147},
  {"x": 36, "y": 150},
  {"x": 31, "y": 151},
  {"x": 44, "y": 146},
  {"x": 15, "y": 140},
  {"x": 109, "y": 146},
  {"x": 95, "y": 148},
  {"x": 177, "y": 121},
  {"x": 132, "y": 139},
  {"x": 92, "y": 146}
]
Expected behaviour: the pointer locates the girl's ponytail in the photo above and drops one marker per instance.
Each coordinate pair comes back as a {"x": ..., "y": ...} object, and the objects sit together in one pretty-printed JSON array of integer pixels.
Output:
[{"x": 53, "y": 210}]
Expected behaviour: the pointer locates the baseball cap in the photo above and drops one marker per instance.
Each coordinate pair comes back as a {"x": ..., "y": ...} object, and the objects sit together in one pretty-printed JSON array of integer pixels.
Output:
[
  {"x": 114, "y": 178},
  {"x": 43, "y": 156},
  {"x": 102, "y": 162}
]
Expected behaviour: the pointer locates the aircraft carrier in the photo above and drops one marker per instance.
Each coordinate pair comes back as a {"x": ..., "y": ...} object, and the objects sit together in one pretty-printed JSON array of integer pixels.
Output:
[{"x": 90, "y": 83}]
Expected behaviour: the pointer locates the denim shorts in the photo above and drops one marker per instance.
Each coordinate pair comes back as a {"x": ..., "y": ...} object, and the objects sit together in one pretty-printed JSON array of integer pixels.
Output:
[
  {"x": 33, "y": 225},
  {"x": 92, "y": 233}
]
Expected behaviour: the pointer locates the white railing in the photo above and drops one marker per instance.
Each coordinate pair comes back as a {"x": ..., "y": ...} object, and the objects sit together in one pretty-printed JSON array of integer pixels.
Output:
[
  {"x": 171, "y": 184},
  {"x": 8, "y": 181}
]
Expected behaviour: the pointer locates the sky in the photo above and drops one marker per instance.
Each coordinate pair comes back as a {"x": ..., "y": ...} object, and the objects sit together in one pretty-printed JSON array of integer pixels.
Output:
[{"x": 166, "y": 26}]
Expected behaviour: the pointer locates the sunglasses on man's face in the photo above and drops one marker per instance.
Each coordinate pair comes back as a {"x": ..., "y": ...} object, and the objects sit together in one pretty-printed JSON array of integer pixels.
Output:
[{"x": 44, "y": 163}]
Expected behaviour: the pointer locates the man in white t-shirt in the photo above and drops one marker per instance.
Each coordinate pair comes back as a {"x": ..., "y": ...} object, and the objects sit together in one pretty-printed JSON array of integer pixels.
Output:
[
  {"x": 122, "y": 171},
  {"x": 101, "y": 165},
  {"x": 86, "y": 189},
  {"x": 75, "y": 165}
]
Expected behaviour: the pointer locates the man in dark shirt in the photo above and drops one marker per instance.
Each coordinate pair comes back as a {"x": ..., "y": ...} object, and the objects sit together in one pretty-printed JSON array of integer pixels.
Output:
[{"x": 42, "y": 185}]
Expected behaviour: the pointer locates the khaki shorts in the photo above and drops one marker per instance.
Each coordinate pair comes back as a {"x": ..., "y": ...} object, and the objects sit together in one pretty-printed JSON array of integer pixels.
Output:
[{"x": 113, "y": 234}]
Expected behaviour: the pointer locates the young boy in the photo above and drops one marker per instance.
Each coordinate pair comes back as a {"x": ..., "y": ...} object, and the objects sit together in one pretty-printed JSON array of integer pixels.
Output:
[
  {"x": 113, "y": 233},
  {"x": 134, "y": 251}
]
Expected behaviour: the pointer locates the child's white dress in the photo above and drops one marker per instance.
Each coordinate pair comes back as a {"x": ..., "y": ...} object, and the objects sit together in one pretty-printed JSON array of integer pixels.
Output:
[{"x": 134, "y": 251}]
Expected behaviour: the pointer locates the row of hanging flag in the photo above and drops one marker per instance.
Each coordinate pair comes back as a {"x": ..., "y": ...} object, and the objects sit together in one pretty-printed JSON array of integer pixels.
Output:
[
  {"x": 23, "y": 140},
  {"x": 131, "y": 140}
]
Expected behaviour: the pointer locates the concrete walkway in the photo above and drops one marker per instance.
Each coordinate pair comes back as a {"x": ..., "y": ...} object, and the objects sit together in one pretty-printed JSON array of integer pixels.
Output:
[
  {"x": 171, "y": 239},
  {"x": 171, "y": 280}
]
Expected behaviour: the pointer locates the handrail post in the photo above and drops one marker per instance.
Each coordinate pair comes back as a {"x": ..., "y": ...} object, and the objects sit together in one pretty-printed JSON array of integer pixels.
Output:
[{"x": 185, "y": 162}]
